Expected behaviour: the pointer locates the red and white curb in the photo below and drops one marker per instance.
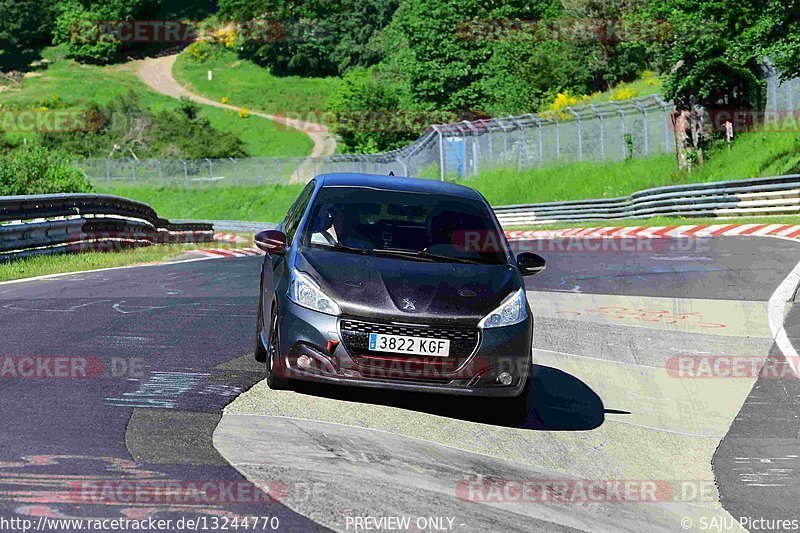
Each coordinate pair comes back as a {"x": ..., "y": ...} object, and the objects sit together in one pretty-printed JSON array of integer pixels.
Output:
[
  {"x": 229, "y": 252},
  {"x": 230, "y": 237},
  {"x": 789, "y": 231}
]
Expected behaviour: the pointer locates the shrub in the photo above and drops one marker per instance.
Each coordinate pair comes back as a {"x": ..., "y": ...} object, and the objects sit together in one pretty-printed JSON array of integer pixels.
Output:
[{"x": 36, "y": 170}]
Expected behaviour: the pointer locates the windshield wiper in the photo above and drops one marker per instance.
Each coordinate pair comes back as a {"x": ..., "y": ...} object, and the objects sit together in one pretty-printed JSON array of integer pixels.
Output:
[{"x": 426, "y": 256}]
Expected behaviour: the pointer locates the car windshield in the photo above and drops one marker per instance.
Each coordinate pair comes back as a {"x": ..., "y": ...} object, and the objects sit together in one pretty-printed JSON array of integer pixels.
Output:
[{"x": 412, "y": 226}]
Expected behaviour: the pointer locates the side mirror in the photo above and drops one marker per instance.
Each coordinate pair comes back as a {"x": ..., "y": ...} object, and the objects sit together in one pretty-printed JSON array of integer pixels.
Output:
[
  {"x": 530, "y": 263},
  {"x": 271, "y": 241}
]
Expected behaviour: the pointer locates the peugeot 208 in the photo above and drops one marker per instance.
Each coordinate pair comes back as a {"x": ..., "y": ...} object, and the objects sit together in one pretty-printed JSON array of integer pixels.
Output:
[{"x": 398, "y": 283}]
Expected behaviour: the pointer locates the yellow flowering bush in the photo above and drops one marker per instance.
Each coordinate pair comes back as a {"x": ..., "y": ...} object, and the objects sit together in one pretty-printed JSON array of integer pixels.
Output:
[
  {"x": 626, "y": 93},
  {"x": 562, "y": 102},
  {"x": 225, "y": 100},
  {"x": 225, "y": 37},
  {"x": 244, "y": 113}
]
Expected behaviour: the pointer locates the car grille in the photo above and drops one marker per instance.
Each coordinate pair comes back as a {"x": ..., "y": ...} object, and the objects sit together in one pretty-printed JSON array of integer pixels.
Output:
[{"x": 355, "y": 338}]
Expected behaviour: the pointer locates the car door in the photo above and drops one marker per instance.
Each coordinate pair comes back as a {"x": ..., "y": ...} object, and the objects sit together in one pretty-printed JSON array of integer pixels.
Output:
[{"x": 274, "y": 268}]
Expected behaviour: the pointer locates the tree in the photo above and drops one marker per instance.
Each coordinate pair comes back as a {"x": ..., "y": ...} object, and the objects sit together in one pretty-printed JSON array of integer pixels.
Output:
[
  {"x": 716, "y": 57},
  {"x": 25, "y": 25},
  {"x": 90, "y": 29},
  {"x": 311, "y": 37}
]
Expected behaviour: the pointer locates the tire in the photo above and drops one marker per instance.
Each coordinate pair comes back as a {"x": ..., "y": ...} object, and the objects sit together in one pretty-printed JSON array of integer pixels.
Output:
[
  {"x": 259, "y": 352},
  {"x": 516, "y": 409},
  {"x": 272, "y": 351}
]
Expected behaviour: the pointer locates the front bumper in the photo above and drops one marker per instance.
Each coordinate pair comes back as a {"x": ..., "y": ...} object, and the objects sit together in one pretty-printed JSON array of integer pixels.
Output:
[{"x": 316, "y": 339}]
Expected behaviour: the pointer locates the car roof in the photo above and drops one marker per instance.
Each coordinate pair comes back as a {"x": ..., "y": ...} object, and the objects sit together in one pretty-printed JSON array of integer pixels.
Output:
[{"x": 396, "y": 183}]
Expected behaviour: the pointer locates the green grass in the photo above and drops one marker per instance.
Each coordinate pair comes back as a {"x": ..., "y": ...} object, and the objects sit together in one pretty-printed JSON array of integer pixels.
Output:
[
  {"x": 246, "y": 84},
  {"x": 56, "y": 264},
  {"x": 753, "y": 155},
  {"x": 266, "y": 203},
  {"x": 76, "y": 85}
]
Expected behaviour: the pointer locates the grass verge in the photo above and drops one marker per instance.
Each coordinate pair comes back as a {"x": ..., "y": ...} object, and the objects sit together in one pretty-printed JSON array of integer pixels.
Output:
[
  {"x": 243, "y": 83},
  {"x": 268, "y": 203},
  {"x": 75, "y": 85},
  {"x": 57, "y": 264},
  {"x": 753, "y": 155}
]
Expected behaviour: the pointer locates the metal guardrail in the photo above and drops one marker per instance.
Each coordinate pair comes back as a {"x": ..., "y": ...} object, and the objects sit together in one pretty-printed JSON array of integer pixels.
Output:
[
  {"x": 67, "y": 223},
  {"x": 778, "y": 195}
]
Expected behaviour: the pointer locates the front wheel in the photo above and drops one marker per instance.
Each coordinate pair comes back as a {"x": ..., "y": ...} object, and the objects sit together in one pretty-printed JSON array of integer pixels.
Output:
[
  {"x": 516, "y": 409},
  {"x": 274, "y": 381}
]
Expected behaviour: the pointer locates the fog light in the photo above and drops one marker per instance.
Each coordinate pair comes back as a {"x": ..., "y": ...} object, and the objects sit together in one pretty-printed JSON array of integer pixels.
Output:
[
  {"x": 505, "y": 378},
  {"x": 304, "y": 361}
]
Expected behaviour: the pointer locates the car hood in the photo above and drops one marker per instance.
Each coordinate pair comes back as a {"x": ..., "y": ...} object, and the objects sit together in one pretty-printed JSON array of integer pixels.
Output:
[{"x": 373, "y": 287}]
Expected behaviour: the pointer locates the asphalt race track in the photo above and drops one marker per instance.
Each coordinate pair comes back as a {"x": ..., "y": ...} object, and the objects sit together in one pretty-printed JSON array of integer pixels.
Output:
[{"x": 113, "y": 384}]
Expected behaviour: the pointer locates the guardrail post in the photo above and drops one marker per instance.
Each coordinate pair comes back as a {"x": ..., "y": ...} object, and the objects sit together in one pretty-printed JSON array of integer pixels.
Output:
[{"x": 602, "y": 132}]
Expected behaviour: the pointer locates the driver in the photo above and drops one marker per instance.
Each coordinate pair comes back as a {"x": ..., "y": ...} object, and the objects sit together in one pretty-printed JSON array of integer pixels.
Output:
[{"x": 340, "y": 226}]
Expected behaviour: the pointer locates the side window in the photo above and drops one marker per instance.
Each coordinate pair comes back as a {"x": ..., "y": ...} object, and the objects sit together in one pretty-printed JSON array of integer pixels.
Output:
[{"x": 296, "y": 212}]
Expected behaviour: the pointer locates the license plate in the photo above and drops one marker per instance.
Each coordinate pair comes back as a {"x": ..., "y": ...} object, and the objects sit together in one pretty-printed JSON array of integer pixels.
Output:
[{"x": 410, "y": 345}]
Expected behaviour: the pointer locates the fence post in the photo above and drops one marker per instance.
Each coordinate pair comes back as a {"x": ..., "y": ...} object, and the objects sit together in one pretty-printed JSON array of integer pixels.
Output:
[
  {"x": 438, "y": 129},
  {"x": 405, "y": 167},
  {"x": 160, "y": 173},
  {"x": 235, "y": 171},
  {"x": 108, "y": 173},
  {"x": 522, "y": 152},
  {"x": 645, "y": 129},
  {"x": 539, "y": 143},
  {"x": 505, "y": 141},
  {"x": 665, "y": 107},
  {"x": 602, "y": 131},
  {"x": 624, "y": 129},
  {"x": 474, "y": 146},
  {"x": 210, "y": 169},
  {"x": 580, "y": 132},
  {"x": 133, "y": 172},
  {"x": 185, "y": 175},
  {"x": 558, "y": 134}
]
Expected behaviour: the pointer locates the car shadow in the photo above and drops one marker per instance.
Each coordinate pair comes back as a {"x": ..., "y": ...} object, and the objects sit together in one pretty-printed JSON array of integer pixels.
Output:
[{"x": 560, "y": 402}]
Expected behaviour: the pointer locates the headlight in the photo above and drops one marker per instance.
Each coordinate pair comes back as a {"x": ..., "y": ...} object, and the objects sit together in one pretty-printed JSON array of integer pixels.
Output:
[
  {"x": 512, "y": 311},
  {"x": 304, "y": 291}
]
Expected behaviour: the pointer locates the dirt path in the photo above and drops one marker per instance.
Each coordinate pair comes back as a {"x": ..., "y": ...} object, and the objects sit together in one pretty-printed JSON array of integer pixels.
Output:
[{"x": 157, "y": 73}]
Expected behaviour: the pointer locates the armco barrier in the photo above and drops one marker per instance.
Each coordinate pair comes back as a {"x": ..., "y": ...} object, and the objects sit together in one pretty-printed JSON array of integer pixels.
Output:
[
  {"x": 752, "y": 197},
  {"x": 64, "y": 223}
]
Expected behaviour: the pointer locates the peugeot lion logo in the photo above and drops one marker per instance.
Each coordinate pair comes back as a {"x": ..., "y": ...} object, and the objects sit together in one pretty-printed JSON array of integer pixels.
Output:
[{"x": 408, "y": 305}]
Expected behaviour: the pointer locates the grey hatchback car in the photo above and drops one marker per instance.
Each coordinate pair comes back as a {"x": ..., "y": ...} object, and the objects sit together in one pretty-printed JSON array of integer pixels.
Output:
[{"x": 395, "y": 283}]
